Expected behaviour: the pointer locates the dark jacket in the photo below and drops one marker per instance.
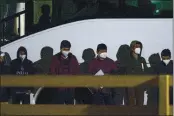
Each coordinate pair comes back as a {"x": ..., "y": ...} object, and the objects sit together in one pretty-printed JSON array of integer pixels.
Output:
[
  {"x": 4, "y": 95},
  {"x": 164, "y": 69},
  {"x": 154, "y": 60},
  {"x": 19, "y": 67},
  {"x": 4, "y": 70},
  {"x": 137, "y": 66},
  {"x": 123, "y": 59}
]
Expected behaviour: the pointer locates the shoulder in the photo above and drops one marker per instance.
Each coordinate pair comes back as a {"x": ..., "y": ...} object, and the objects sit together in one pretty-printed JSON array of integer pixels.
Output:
[
  {"x": 73, "y": 56},
  {"x": 118, "y": 63},
  {"x": 55, "y": 58},
  {"x": 29, "y": 61},
  {"x": 142, "y": 59},
  {"x": 110, "y": 60},
  {"x": 93, "y": 61},
  {"x": 14, "y": 61}
]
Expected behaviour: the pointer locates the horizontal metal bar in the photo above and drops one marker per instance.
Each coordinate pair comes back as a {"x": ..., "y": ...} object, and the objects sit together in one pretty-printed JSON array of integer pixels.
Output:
[
  {"x": 77, "y": 81},
  {"x": 12, "y": 16},
  {"x": 77, "y": 110}
]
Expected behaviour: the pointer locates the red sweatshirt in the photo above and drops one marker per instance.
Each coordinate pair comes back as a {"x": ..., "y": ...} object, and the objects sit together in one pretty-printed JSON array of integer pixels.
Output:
[
  {"x": 107, "y": 66},
  {"x": 62, "y": 66}
]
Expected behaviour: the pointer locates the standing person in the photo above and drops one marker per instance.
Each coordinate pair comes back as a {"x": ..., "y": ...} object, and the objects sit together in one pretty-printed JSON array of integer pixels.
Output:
[
  {"x": 123, "y": 60},
  {"x": 64, "y": 63},
  {"x": 107, "y": 66},
  {"x": 82, "y": 94},
  {"x": 153, "y": 92},
  {"x": 165, "y": 67},
  {"x": 4, "y": 69},
  {"x": 21, "y": 66},
  {"x": 137, "y": 66}
]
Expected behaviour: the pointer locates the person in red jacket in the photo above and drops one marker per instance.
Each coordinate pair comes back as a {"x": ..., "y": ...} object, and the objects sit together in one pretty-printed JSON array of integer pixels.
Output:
[
  {"x": 64, "y": 63},
  {"x": 107, "y": 66}
]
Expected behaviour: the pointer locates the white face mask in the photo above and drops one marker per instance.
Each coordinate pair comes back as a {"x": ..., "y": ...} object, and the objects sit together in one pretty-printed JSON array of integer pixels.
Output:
[
  {"x": 103, "y": 55},
  {"x": 137, "y": 50},
  {"x": 22, "y": 57},
  {"x": 166, "y": 61},
  {"x": 65, "y": 53}
]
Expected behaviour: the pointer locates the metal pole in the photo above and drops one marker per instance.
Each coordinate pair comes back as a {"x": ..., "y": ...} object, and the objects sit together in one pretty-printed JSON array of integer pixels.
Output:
[
  {"x": 164, "y": 108},
  {"x": 19, "y": 29}
]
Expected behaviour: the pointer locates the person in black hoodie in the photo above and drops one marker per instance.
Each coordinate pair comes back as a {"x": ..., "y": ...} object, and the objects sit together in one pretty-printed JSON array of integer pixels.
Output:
[
  {"x": 83, "y": 95},
  {"x": 4, "y": 69},
  {"x": 165, "y": 67},
  {"x": 21, "y": 66},
  {"x": 153, "y": 97},
  {"x": 123, "y": 59}
]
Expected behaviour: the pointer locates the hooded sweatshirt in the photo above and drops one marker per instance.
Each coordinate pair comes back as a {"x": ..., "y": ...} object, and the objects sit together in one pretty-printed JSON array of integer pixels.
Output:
[
  {"x": 123, "y": 59},
  {"x": 19, "y": 67},
  {"x": 137, "y": 66}
]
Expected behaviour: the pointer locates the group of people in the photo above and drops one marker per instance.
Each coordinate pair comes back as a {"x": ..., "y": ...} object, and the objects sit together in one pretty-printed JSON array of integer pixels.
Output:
[
  {"x": 129, "y": 62},
  {"x": 67, "y": 11}
]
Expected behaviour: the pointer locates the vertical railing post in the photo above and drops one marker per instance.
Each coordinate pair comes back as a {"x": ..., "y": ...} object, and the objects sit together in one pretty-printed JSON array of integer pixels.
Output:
[{"x": 164, "y": 108}]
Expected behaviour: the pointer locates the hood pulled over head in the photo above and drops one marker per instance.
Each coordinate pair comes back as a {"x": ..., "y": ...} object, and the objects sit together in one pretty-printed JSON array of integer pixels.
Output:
[{"x": 21, "y": 49}]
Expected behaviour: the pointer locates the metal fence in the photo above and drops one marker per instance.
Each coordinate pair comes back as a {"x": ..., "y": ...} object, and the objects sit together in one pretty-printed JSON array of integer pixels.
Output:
[{"x": 164, "y": 82}]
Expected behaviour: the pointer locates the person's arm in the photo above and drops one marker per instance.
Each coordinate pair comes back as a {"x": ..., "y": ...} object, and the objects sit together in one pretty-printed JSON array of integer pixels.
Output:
[
  {"x": 12, "y": 68},
  {"x": 75, "y": 66},
  {"x": 53, "y": 65},
  {"x": 113, "y": 68},
  {"x": 144, "y": 65},
  {"x": 91, "y": 68}
]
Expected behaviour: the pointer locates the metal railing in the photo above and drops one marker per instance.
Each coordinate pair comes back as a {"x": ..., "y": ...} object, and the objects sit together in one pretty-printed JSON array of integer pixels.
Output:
[
  {"x": 164, "y": 82},
  {"x": 5, "y": 21}
]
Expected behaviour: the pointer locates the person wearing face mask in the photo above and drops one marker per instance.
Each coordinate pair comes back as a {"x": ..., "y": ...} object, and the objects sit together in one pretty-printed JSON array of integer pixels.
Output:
[
  {"x": 165, "y": 67},
  {"x": 64, "y": 63},
  {"x": 136, "y": 66},
  {"x": 21, "y": 66},
  {"x": 107, "y": 66}
]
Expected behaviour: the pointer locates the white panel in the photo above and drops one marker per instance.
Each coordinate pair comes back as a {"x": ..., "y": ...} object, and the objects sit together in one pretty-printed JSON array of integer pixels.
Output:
[{"x": 155, "y": 34}]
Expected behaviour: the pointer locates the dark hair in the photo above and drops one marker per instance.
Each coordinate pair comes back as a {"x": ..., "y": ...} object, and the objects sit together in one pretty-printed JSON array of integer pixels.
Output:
[
  {"x": 65, "y": 44},
  {"x": 166, "y": 52},
  {"x": 101, "y": 47}
]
